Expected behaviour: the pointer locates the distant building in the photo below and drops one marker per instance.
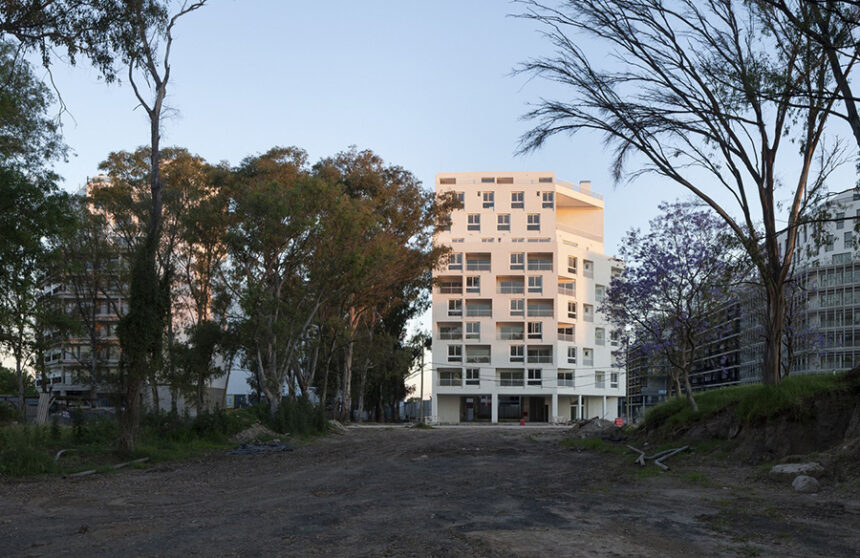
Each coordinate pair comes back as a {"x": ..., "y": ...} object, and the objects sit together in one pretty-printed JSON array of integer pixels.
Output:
[{"x": 516, "y": 334}]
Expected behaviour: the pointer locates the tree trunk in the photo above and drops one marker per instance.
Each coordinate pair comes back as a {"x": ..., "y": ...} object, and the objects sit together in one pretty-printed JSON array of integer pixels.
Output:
[
  {"x": 156, "y": 401},
  {"x": 346, "y": 411},
  {"x": 19, "y": 370},
  {"x": 361, "y": 389},
  {"x": 773, "y": 334},
  {"x": 130, "y": 417}
]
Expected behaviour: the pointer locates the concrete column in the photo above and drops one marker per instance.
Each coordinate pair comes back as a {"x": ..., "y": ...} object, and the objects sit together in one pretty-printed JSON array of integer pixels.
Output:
[
  {"x": 603, "y": 416},
  {"x": 434, "y": 409},
  {"x": 579, "y": 407},
  {"x": 494, "y": 403},
  {"x": 554, "y": 409}
]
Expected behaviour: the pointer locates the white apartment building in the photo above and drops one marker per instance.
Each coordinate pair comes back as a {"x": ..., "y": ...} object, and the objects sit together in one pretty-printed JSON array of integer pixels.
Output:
[{"x": 516, "y": 334}]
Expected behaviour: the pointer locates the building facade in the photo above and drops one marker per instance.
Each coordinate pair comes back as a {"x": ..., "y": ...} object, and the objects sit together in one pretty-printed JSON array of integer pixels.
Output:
[{"x": 516, "y": 331}]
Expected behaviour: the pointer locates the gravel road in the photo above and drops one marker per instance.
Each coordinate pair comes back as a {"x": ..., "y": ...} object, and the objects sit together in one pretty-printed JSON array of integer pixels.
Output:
[{"x": 440, "y": 492}]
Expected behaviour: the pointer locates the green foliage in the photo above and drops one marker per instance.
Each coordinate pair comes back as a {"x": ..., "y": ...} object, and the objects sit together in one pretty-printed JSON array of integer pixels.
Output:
[
  {"x": 9, "y": 384},
  {"x": 23, "y": 450},
  {"x": 752, "y": 402},
  {"x": 296, "y": 417},
  {"x": 8, "y": 413}
]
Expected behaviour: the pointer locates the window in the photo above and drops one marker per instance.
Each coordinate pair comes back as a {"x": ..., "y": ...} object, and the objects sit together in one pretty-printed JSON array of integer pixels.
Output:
[
  {"x": 848, "y": 239},
  {"x": 478, "y": 354},
  {"x": 505, "y": 180},
  {"x": 571, "y": 310},
  {"x": 613, "y": 379},
  {"x": 455, "y": 261},
  {"x": 545, "y": 179},
  {"x": 504, "y": 222},
  {"x": 450, "y": 332},
  {"x": 473, "y": 284},
  {"x": 535, "y": 284},
  {"x": 455, "y": 353},
  {"x": 599, "y": 336},
  {"x": 548, "y": 198},
  {"x": 615, "y": 337},
  {"x": 517, "y": 353},
  {"x": 517, "y": 200},
  {"x": 510, "y": 378},
  {"x": 518, "y": 261},
  {"x": 588, "y": 312},
  {"x": 571, "y": 355},
  {"x": 567, "y": 288},
  {"x": 489, "y": 200},
  {"x": 599, "y": 292},
  {"x": 533, "y": 223},
  {"x": 565, "y": 379},
  {"x": 455, "y": 307},
  {"x": 540, "y": 308},
  {"x": 473, "y": 330},
  {"x": 514, "y": 331},
  {"x": 447, "y": 181},
  {"x": 540, "y": 262},
  {"x": 473, "y": 376},
  {"x": 599, "y": 380},
  {"x": 479, "y": 308},
  {"x": 518, "y": 307},
  {"x": 539, "y": 355},
  {"x": 474, "y": 223},
  {"x": 450, "y": 286},
  {"x": 511, "y": 285},
  {"x": 534, "y": 377},
  {"x": 535, "y": 330},
  {"x": 565, "y": 333},
  {"x": 588, "y": 357},
  {"x": 461, "y": 197},
  {"x": 449, "y": 377},
  {"x": 839, "y": 223},
  {"x": 571, "y": 265},
  {"x": 477, "y": 262},
  {"x": 588, "y": 268},
  {"x": 488, "y": 180}
]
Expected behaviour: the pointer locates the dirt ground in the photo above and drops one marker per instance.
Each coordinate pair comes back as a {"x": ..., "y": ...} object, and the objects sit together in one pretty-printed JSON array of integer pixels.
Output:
[{"x": 442, "y": 492}]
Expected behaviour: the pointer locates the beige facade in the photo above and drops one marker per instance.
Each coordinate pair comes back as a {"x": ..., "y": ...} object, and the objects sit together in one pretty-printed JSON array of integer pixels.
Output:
[{"x": 516, "y": 332}]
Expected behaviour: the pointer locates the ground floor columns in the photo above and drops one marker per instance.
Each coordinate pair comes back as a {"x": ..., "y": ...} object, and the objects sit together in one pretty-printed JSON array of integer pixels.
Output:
[
  {"x": 603, "y": 415},
  {"x": 434, "y": 408},
  {"x": 553, "y": 416},
  {"x": 579, "y": 407},
  {"x": 494, "y": 408}
]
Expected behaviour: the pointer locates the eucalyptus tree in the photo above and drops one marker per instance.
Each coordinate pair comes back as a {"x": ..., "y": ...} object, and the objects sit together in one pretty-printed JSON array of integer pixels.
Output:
[{"x": 713, "y": 97}]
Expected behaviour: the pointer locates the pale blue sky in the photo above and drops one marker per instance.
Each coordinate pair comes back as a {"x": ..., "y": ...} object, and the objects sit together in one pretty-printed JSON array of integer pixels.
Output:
[{"x": 426, "y": 85}]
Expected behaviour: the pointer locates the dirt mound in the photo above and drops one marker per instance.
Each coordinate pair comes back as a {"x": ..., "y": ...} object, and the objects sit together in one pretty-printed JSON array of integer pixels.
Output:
[{"x": 823, "y": 422}]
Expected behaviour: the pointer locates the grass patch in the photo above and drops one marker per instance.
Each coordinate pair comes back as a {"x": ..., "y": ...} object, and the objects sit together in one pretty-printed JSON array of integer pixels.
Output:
[
  {"x": 91, "y": 442},
  {"x": 752, "y": 402},
  {"x": 423, "y": 426},
  {"x": 698, "y": 479},
  {"x": 592, "y": 444}
]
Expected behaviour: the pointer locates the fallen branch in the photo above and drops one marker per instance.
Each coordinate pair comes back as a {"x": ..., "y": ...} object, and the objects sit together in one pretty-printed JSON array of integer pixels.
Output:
[
  {"x": 61, "y": 452},
  {"x": 117, "y": 466}
]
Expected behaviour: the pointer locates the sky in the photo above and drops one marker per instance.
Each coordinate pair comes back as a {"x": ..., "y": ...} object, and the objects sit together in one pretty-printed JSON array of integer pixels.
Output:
[{"x": 428, "y": 86}]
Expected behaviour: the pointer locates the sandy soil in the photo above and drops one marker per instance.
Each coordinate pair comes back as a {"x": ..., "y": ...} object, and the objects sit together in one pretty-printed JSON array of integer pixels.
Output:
[{"x": 440, "y": 492}]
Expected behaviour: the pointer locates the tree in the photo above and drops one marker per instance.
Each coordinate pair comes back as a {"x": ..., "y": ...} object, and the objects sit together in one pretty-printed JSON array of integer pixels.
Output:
[
  {"x": 393, "y": 254},
  {"x": 144, "y": 39},
  {"x": 676, "y": 286},
  {"x": 833, "y": 25},
  {"x": 41, "y": 215},
  {"x": 704, "y": 94}
]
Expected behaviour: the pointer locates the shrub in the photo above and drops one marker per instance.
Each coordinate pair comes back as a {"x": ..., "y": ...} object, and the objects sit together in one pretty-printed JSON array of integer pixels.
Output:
[
  {"x": 297, "y": 417},
  {"x": 23, "y": 451}
]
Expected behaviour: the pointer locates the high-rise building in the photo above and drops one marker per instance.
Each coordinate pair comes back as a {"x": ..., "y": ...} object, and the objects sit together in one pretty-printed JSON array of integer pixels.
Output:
[{"x": 516, "y": 329}]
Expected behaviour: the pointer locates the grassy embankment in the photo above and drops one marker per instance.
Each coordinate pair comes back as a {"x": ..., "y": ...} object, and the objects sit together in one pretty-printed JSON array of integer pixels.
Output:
[
  {"x": 752, "y": 402},
  {"x": 91, "y": 444}
]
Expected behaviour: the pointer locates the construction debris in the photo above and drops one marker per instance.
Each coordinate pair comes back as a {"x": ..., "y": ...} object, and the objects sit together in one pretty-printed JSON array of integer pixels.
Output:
[
  {"x": 336, "y": 428},
  {"x": 117, "y": 466},
  {"x": 657, "y": 458},
  {"x": 253, "y": 433}
]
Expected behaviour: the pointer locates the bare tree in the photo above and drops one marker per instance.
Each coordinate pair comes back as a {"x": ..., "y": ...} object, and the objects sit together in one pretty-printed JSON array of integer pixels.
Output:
[{"x": 709, "y": 95}]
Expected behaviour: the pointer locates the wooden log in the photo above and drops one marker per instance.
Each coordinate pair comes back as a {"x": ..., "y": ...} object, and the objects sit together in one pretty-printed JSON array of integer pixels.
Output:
[
  {"x": 659, "y": 462},
  {"x": 641, "y": 459}
]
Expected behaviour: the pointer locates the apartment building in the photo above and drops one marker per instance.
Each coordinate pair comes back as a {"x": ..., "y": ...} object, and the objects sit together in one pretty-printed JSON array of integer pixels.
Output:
[{"x": 516, "y": 331}]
